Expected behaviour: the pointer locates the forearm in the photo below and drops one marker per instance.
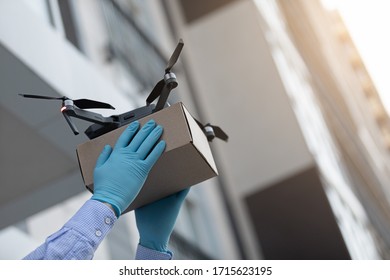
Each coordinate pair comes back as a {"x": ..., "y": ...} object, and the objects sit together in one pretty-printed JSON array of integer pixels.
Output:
[{"x": 80, "y": 236}]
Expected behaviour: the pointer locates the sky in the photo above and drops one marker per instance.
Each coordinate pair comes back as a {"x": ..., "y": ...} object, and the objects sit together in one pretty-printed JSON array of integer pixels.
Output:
[{"x": 368, "y": 22}]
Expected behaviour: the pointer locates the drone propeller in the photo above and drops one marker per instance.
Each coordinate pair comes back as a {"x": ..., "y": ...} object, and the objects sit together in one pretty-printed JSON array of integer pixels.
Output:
[
  {"x": 219, "y": 133},
  {"x": 81, "y": 103},
  {"x": 155, "y": 92},
  {"x": 175, "y": 56},
  {"x": 43, "y": 97},
  {"x": 212, "y": 131},
  {"x": 158, "y": 88},
  {"x": 91, "y": 104}
]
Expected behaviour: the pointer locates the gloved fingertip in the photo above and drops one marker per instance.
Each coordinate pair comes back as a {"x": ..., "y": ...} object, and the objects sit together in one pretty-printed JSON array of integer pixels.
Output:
[
  {"x": 104, "y": 155},
  {"x": 156, "y": 153},
  {"x": 107, "y": 150},
  {"x": 151, "y": 122},
  {"x": 162, "y": 143},
  {"x": 160, "y": 147},
  {"x": 133, "y": 125}
]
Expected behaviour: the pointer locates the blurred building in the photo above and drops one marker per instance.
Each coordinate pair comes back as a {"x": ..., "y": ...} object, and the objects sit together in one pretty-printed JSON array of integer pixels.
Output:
[
  {"x": 306, "y": 170},
  {"x": 304, "y": 174},
  {"x": 355, "y": 117}
]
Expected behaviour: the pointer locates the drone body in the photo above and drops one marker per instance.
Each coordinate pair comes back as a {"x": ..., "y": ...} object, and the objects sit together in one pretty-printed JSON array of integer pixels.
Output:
[{"x": 101, "y": 125}]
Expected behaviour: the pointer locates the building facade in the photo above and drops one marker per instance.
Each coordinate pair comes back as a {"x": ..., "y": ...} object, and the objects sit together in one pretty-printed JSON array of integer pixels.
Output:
[{"x": 306, "y": 174}]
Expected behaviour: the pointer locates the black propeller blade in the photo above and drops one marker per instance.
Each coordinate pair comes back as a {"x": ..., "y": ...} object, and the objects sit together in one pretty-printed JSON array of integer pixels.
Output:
[
  {"x": 91, "y": 104},
  {"x": 158, "y": 88},
  {"x": 215, "y": 132},
  {"x": 81, "y": 103},
  {"x": 219, "y": 133},
  {"x": 155, "y": 92},
  {"x": 43, "y": 97},
  {"x": 175, "y": 56}
]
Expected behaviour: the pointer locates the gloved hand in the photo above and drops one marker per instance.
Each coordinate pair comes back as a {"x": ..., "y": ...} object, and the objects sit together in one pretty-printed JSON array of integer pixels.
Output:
[
  {"x": 120, "y": 173},
  {"x": 156, "y": 220}
]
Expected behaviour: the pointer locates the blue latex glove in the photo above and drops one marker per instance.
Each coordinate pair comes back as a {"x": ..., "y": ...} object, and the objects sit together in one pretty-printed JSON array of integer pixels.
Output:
[
  {"x": 156, "y": 220},
  {"x": 121, "y": 172}
]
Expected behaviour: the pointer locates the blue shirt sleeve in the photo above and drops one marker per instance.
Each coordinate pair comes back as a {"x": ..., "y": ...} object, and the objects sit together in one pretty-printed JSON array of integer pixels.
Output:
[
  {"x": 144, "y": 253},
  {"x": 79, "y": 238}
]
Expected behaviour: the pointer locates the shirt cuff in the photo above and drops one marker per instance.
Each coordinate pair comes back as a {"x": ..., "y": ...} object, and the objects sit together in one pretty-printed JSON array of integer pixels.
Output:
[
  {"x": 144, "y": 253},
  {"x": 93, "y": 220}
]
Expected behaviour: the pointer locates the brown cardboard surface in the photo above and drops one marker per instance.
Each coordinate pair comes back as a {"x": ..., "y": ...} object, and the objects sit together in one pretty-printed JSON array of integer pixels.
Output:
[{"x": 186, "y": 161}]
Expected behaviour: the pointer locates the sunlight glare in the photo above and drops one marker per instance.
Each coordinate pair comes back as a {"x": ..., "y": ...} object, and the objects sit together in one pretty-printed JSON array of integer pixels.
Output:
[{"x": 368, "y": 22}]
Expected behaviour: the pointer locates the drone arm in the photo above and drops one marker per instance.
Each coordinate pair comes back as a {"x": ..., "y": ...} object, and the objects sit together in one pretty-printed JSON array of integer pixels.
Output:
[
  {"x": 71, "y": 124},
  {"x": 88, "y": 116},
  {"x": 71, "y": 111}
]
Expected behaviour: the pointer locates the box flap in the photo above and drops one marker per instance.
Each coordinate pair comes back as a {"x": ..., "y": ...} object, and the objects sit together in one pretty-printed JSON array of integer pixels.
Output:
[{"x": 200, "y": 140}]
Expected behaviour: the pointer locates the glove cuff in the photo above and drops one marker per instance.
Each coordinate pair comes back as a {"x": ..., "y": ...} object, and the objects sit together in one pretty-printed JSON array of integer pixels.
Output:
[
  {"x": 155, "y": 245},
  {"x": 109, "y": 201}
]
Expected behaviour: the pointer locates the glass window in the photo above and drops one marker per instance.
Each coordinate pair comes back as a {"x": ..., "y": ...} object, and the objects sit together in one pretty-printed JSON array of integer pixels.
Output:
[{"x": 68, "y": 17}]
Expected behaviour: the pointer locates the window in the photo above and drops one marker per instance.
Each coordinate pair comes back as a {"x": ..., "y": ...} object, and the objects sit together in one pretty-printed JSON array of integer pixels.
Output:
[{"x": 69, "y": 22}]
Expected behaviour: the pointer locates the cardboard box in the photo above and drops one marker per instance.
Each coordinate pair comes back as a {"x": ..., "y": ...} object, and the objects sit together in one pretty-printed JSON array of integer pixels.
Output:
[{"x": 186, "y": 161}]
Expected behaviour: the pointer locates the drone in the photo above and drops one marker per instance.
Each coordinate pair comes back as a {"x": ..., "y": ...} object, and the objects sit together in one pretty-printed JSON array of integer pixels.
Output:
[{"x": 101, "y": 125}]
